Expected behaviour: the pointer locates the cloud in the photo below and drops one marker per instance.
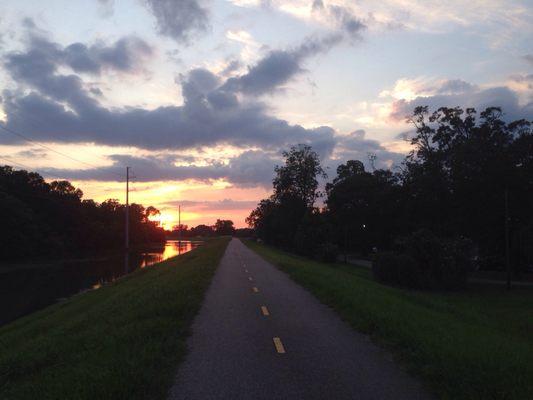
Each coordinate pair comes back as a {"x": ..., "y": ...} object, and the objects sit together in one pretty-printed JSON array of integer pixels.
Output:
[
  {"x": 224, "y": 204},
  {"x": 480, "y": 99},
  {"x": 53, "y": 106},
  {"x": 106, "y": 8},
  {"x": 43, "y": 57},
  {"x": 125, "y": 55},
  {"x": 455, "y": 86},
  {"x": 347, "y": 21},
  {"x": 249, "y": 169},
  {"x": 179, "y": 19},
  {"x": 356, "y": 146},
  {"x": 529, "y": 58},
  {"x": 66, "y": 112},
  {"x": 279, "y": 66}
]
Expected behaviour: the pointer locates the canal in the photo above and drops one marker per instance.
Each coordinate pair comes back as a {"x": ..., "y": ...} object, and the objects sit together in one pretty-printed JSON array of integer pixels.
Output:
[{"x": 25, "y": 288}]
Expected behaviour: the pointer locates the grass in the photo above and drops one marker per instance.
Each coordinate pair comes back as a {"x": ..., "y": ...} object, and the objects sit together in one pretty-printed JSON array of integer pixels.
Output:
[
  {"x": 475, "y": 344},
  {"x": 122, "y": 341}
]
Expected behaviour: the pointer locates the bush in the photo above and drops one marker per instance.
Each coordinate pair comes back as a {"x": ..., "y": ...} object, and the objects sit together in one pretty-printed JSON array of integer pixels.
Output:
[
  {"x": 389, "y": 267},
  {"x": 424, "y": 261},
  {"x": 327, "y": 252}
]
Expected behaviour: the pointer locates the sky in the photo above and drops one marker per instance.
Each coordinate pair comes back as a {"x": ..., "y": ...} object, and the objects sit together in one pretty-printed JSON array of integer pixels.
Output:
[{"x": 201, "y": 97}]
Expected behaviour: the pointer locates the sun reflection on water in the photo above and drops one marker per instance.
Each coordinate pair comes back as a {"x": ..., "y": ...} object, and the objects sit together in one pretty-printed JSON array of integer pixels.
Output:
[{"x": 172, "y": 248}]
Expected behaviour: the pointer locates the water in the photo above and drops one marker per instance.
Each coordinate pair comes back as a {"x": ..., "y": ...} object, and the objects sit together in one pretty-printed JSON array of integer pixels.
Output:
[{"x": 28, "y": 288}]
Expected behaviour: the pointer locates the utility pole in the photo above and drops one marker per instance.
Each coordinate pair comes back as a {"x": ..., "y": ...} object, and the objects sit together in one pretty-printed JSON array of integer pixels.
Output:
[
  {"x": 127, "y": 222},
  {"x": 179, "y": 222},
  {"x": 507, "y": 256},
  {"x": 179, "y": 229}
]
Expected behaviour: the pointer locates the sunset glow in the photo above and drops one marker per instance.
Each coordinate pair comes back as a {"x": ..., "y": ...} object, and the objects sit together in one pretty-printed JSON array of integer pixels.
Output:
[{"x": 201, "y": 108}]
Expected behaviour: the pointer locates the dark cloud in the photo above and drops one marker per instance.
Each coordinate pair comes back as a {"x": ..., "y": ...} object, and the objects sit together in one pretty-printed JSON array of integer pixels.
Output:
[
  {"x": 62, "y": 108},
  {"x": 502, "y": 97},
  {"x": 179, "y": 19},
  {"x": 43, "y": 57},
  {"x": 210, "y": 115},
  {"x": 232, "y": 66},
  {"x": 529, "y": 58},
  {"x": 347, "y": 21},
  {"x": 96, "y": 91},
  {"x": 279, "y": 66},
  {"x": 342, "y": 17},
  {"x": 250, "y": 169},
  {"x": 125, "y": 55},
  {"x": 356, "y": 147},
  {"x": 455, "y": 86}
]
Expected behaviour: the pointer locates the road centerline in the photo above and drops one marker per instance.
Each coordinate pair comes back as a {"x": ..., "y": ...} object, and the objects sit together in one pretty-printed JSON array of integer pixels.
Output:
[{"x": 279, "y": 346}]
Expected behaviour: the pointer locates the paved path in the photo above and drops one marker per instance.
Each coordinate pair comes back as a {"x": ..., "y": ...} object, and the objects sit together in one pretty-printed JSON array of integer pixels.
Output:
[{"x": 233, "y": 355}]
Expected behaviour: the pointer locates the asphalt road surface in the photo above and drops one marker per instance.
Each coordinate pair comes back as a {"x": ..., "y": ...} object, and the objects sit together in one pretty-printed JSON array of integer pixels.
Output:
[{"x": 259, "y": 335}]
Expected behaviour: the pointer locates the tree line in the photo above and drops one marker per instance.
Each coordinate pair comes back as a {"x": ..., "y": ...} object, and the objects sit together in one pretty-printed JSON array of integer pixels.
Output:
[
  {"x": 222, "y": 227},
  {"x": 467, "y": 179},
  {"x": 52, "y": 220}
]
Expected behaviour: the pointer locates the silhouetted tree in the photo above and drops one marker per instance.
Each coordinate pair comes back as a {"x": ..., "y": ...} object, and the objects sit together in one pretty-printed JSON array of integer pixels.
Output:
[
  {"x": 283, "y": 219},
  {"x": 51, "y": 219},
  {"x": 224, "y": 227},
  {"x": 202, "y": 230}
]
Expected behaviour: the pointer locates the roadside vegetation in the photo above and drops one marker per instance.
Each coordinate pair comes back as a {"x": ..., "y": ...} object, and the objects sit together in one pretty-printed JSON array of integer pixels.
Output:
[
  {"x": 466, "y": 183},
  {"x": 474, "y": 344},
  {"x": 122, "y": 341},
  {"x": 44, "y": 221}
]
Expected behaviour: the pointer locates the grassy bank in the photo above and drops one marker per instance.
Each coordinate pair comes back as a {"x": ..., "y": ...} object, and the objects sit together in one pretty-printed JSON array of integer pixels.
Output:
[
  {"x": 476, "y": 344},
  {"x": 122, "y": 341}
]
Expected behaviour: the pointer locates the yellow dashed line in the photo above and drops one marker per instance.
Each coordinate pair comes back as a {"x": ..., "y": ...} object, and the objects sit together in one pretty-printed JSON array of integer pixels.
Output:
[
  {"x": 264, "y": 310},
  {"x": 279, "y": 346},
  {"x": 256, "y": 290}
]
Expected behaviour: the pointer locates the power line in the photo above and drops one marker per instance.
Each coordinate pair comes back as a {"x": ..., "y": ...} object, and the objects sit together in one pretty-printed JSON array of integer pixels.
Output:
[
  {"x": 28, "y": 168},
  {"x": 16, "y": 163},
  {"x": 32, "y": 119},
  {"x": 51, "y": 149}
]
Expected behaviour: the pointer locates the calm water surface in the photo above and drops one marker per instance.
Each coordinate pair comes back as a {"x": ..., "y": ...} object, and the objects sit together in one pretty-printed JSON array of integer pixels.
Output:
[{"x": 28, "y": 288}]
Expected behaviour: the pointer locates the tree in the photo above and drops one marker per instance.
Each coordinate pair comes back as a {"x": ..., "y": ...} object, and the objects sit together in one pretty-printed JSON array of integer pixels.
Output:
[
  {"x": 57, "y": 222},
  {"x": 224, "y": 227},
  {"x": 277, "y": 220},
  {"x": 459, "y": 171},
  {"x": 298, "y": 177},
  {"x": 363, "y": 206},
  {"x": 202, "y": 230}
]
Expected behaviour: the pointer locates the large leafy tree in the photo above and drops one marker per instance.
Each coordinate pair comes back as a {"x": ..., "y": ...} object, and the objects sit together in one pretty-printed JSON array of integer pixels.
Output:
[
  {"x": 363, "y": 206},
  {"x": 51, "y": 219},
  {"x": 295, "y": 185},
  {"x": 224, "y": 227},
  {"x": 298, "y": 178},
  {"x": 460, "y": 170}
]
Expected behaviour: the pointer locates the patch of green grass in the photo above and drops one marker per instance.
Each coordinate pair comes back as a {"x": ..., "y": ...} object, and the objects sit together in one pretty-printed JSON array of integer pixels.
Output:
[
  {"x": 475, "y": 344},
  {"x": 122, "y": 341}
]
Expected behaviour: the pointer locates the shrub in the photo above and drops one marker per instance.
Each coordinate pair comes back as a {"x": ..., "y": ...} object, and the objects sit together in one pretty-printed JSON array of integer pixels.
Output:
[
  {"x": 389, "y": 267},
  {"x": 425, "y": 261},
  {"x": 327, "y": 252}
]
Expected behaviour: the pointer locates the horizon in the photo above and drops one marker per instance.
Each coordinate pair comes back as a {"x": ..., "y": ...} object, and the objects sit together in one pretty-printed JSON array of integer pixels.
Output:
[{"x": 201, "y": 104}]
